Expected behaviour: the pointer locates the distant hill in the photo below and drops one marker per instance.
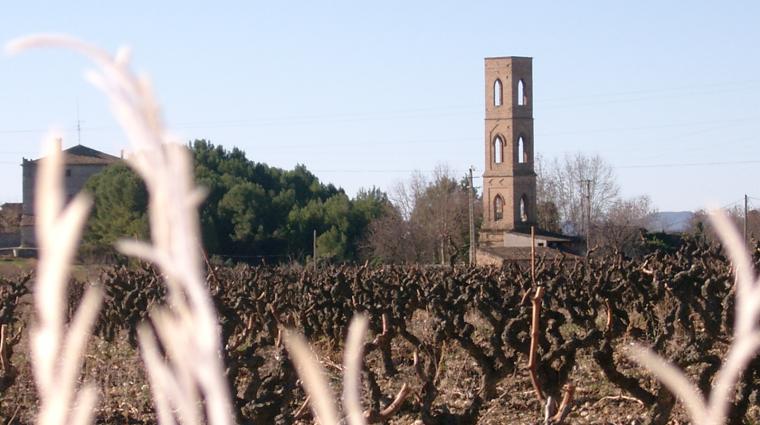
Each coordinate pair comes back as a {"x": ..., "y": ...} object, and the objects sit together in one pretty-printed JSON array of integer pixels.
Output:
[{"x": 669, "y": 221}]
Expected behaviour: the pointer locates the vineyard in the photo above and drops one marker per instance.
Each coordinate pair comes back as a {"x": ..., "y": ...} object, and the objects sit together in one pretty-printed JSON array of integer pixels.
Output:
[{"x": 447, "y": 345}]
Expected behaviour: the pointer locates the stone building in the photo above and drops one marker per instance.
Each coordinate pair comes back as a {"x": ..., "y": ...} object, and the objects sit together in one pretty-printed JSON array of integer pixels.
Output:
[
  {"x": 80, "y": 162},
  {"x": 509, "y": 179}
]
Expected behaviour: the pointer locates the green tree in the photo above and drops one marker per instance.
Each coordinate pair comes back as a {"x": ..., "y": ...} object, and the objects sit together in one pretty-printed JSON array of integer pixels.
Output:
[
  {"x": 251, "y": 210},
  {"x": 119, "y": 209}
]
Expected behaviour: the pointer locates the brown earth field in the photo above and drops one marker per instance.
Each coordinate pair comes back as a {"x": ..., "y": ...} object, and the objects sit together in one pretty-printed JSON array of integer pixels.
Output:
[
  {"x": 678, "y": 302},
  {"x": 124, "y": 396}
]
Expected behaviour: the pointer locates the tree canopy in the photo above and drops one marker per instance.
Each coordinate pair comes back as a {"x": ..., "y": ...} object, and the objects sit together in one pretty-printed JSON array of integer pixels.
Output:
[
  {"x": 252, "y": 212},
  {"x": 428, "y": 223},
  {"x": 577, "y": 191},
  {"x": 119, "y": 209}
]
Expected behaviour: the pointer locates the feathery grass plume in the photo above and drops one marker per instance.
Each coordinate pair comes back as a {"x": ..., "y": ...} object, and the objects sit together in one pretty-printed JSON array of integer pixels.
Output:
[
  {"x": 746, "y": 338},
  {"x": 193, "y": 374},
  {"x": 352, "y": 371},
  {"x": 312, "y": 375},
  {"x": 56, "y": 349}
]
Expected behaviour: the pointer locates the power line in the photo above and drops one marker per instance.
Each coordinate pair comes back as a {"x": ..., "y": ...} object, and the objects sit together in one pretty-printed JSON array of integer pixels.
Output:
[
  {"x": 660, "y": 90},
  {"x": 572, "y": 101},
  {"x": 638, "y": 166},
  {"x": 689, "y": 164},
  {"x": 640, "y": 99},
  {"x": 738, "y": 201},
  {"x": 376, "y": 170},
  {"x": 752, "y": 119}
]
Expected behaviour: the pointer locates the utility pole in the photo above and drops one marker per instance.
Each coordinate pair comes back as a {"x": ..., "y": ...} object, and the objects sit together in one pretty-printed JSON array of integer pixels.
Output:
[
  {"x": 470, "y": 197},
  {"x": 746, "y": 218},
  {"x": 587, "y": 182}
]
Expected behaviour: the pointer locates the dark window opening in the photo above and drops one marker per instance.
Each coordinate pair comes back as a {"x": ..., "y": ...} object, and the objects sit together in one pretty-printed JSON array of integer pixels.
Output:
[
  {"x": 68, "y": 172},
  {"x": 498, "y": 208}
]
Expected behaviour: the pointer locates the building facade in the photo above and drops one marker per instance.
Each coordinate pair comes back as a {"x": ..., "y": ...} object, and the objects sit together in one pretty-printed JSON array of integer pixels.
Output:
[
  {"x": 509, "y": 180},
  {"x": 80, "y": 162}
]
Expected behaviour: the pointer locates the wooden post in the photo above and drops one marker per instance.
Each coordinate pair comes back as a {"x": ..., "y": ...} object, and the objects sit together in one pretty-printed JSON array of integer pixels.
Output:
[
  {"x": 533, "y": 255},
  {"x": 534, "y": 334},
  {"x": 471, "y": 209}
]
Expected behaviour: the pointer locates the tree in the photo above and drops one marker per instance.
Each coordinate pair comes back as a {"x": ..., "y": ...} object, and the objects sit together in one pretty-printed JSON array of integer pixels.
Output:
[
  {"x": 622, "y": 226},
  {"x": 251, "y": 212},
  {"x": 257, "y": 211},
  {"x": 566, "y": 188},
  {"x": 560, "y": 184},
  {"x": 701, "y": 227},
  {"x": 119, "y": 209},
  {"x": 441, "y": 211},
  {"x": 548, "y": 216},
  {"x": 389, "y": 238},
  {"x": 428, "y": 222},
  {"x": 245, "y": 205}
]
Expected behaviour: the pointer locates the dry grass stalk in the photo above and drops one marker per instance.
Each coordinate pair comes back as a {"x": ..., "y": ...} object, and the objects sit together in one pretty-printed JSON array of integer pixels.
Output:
[
  {"x": 57, "y": 347},
  {"x": 190, "y": 374},
  {"x": 353, "y": 358},
  {"x": 746, "y": 339},
  {"x": 319, "y": 393},
  {"x": 313, "y": 378}
]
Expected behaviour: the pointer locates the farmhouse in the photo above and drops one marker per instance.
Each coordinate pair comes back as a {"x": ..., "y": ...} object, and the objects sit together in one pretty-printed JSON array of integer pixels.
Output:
[
  {"x": 509, "y": 180},
  {"x": 80, "y": 162}
]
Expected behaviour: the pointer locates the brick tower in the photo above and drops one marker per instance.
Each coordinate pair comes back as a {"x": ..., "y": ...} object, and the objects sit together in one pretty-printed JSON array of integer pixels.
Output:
[{"x": 509, "y": 180}]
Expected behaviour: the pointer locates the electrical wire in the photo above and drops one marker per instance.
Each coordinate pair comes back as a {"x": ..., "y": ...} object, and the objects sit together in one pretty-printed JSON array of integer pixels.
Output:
[{"x": 442, "y": 111}]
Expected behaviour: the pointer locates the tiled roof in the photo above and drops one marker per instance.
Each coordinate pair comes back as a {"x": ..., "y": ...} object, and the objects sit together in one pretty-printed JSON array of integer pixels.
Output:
[{"x": 82, "y": 155}]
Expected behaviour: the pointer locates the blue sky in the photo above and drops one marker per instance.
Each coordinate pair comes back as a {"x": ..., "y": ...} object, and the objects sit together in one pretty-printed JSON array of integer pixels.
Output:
[{"x": 667, "y": 92}]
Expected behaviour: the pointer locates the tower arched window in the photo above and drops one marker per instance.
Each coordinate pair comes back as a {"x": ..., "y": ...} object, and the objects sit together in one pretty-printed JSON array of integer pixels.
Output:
[
  {"x": 497, "y": 93},
  {"x": 498, "y": 208},
  {"x": 522, "y": 97},
  {"x": 498, "y": 150},
  {"x": 522, "y": 153},
  {"x": 524, "y": 208}
]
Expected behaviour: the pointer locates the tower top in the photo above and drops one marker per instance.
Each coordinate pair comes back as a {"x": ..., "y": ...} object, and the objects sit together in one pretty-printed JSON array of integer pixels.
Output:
[
  {"x": 509, "y": 194},
  {"x": 509, "y": 87},
  {"x": 509, "y": 58}
]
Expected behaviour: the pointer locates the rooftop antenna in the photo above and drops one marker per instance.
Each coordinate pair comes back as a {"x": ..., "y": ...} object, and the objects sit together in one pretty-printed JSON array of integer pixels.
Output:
[{"x": 79, "y": 126}]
